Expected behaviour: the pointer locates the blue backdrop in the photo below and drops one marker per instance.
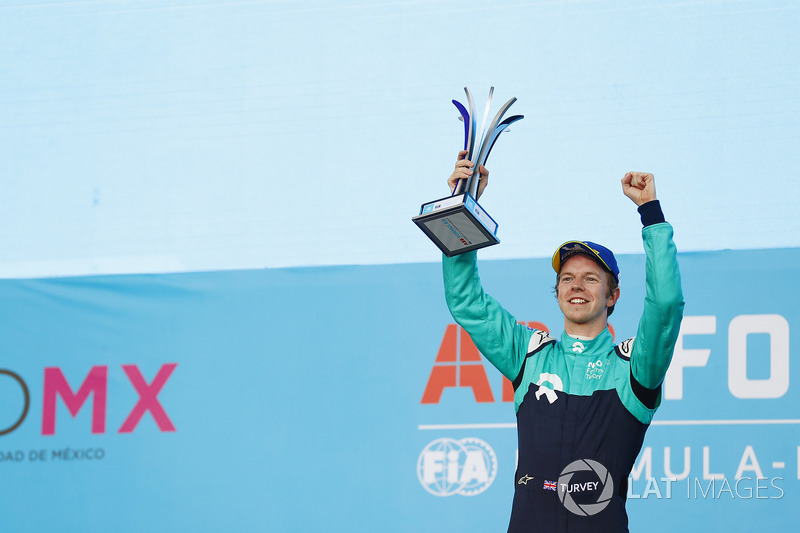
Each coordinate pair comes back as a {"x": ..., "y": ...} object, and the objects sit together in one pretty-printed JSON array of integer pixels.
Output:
[{"x": 317, "y": 399}]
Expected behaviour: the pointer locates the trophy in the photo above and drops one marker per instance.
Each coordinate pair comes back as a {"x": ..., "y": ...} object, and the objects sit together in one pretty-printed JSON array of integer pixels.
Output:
[{"x": 457, "y": 223}]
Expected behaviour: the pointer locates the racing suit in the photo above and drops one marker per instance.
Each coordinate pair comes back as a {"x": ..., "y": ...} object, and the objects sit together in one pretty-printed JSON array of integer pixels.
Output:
[{"x": 582, "y": 406}]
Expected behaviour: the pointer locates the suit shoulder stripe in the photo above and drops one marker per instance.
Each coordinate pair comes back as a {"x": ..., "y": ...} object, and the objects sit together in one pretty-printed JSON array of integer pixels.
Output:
[
  {"x": 624, "y": 349},
  {"x": 538, "y": 340}
]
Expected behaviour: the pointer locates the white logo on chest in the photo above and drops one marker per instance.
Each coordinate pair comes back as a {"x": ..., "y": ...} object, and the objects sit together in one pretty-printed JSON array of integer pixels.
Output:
[
  {"x": 554, "y": 381},
  {"x": 594, "y": 370},
  {"x": 578, "y": 347}
]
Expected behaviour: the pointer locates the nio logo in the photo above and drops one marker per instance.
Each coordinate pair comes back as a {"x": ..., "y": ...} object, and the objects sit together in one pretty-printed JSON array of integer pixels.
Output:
[
  {"x": 578, "y": 347},
  {"x": 554, "y": 380}
]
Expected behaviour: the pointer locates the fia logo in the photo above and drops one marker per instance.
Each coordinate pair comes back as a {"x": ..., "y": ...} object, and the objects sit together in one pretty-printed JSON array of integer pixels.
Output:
[{"x": 448, "y": 466}]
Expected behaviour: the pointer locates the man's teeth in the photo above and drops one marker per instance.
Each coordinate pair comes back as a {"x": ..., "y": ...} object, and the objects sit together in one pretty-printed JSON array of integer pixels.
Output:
[{"x": 577, "y": 301}]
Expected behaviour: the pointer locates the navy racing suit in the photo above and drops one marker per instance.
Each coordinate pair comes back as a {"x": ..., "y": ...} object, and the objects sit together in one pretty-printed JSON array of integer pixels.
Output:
[{"x": 583, "y": 406}]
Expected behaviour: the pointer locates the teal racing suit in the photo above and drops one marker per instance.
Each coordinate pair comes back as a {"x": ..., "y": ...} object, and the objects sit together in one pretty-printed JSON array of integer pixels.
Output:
[{"x": 583, "y": 406}]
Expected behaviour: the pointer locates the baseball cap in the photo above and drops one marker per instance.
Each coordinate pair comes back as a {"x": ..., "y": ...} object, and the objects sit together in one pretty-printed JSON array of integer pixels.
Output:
[{"x": 601, "y": 254}]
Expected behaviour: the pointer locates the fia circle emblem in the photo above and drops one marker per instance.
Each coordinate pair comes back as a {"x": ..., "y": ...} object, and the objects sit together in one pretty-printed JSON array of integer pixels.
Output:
[{"x": 448, "y": 466}]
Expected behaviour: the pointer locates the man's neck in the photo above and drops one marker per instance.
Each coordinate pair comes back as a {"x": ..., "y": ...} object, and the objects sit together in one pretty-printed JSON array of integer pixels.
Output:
[{"x": 584, "y": 331}]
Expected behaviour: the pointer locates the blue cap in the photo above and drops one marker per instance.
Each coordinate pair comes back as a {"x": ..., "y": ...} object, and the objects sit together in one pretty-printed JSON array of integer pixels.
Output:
[{"x": 601, "y": 254}]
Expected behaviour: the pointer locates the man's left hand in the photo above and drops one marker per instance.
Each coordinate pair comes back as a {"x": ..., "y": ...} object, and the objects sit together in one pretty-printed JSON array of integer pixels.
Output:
[{"x": 639, "y": 187}]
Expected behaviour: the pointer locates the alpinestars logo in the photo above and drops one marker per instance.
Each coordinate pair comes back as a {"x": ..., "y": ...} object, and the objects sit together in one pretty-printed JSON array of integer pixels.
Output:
[
  {"x": 578, "y": 484},
  {"x": 448, "y": 466},
  {"x": 626, "y": 347},
  {"x": 524, "y": 479}
]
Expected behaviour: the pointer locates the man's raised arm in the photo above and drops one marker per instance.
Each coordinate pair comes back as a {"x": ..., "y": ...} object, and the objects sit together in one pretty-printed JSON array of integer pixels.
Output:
[
  {"x": 663, "y": 305},
  {"x": 493, "y": 329}
]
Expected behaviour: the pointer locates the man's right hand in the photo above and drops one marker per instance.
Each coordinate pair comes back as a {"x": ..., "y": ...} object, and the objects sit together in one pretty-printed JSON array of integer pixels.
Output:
[{"x": 463, "y": 171}]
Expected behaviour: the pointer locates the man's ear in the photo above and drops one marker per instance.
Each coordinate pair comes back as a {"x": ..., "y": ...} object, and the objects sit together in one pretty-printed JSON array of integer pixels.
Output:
[{"x": 613, "y": 297}]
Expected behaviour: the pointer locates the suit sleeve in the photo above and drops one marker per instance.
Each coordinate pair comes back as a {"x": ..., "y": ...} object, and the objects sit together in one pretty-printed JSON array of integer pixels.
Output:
[
  {"x": 493, "y": 329},
  {"x": 663, "y": 303}
]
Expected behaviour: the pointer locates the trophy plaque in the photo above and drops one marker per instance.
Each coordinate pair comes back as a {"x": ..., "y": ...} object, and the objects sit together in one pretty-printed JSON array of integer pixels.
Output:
[{"x": 457, "y": 223}]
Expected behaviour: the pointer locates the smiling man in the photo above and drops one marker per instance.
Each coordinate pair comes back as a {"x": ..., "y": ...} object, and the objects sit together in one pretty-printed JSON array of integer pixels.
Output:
[
  {"x": 586, "y": 288},
  {"x": 583, "y": 403}
]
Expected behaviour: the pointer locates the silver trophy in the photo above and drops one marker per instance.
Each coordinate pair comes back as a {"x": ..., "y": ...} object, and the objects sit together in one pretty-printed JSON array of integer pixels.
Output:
[{"x": 457, "y": 223}]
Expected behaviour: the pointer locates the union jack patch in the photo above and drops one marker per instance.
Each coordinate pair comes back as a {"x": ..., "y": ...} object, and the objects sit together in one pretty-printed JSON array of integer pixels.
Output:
[{"x": 549, "y": 485}]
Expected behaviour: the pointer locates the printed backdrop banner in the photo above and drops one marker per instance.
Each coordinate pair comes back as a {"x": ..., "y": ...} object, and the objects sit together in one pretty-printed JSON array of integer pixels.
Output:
[{"x": 345, "y": 399}]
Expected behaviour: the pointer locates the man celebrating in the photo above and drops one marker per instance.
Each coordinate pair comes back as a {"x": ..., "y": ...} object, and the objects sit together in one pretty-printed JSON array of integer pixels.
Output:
[{"x": 583, "y": 403}]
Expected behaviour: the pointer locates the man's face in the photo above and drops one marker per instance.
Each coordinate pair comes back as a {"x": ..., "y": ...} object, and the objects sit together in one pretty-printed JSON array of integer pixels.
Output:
[{"x": 583, "y": 297}]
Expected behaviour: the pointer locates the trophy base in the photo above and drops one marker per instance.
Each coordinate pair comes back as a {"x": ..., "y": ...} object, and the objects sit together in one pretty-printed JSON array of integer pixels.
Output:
[{"x": 457, "y": 224}]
